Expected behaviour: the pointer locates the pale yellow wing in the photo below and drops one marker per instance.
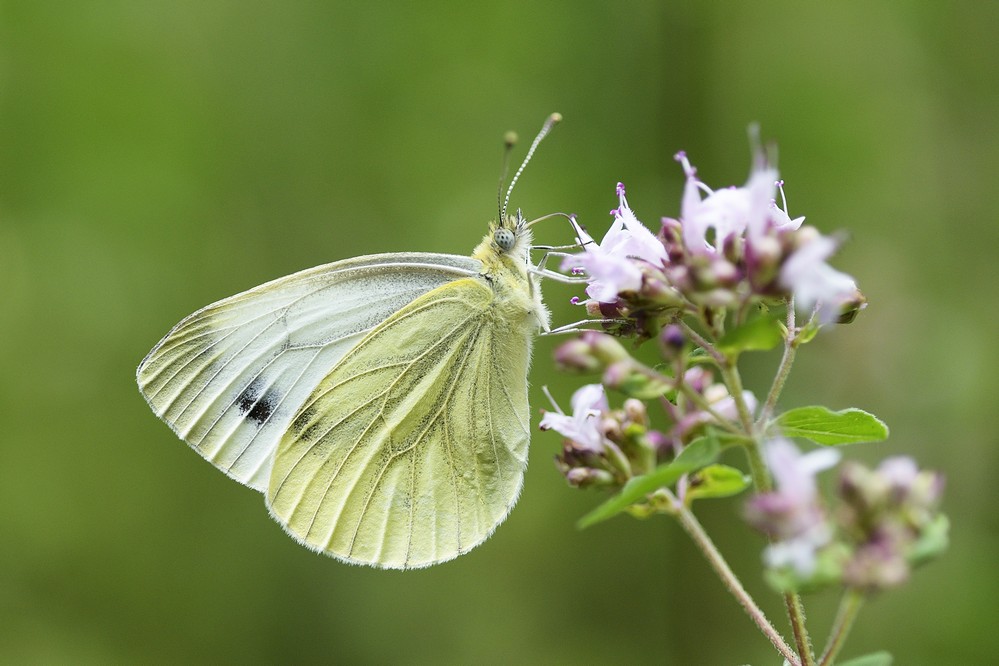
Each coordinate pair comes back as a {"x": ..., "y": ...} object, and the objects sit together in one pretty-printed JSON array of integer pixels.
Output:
[
  {"x": 413, "y": 449},
  {"x": 229, "y": 378}
]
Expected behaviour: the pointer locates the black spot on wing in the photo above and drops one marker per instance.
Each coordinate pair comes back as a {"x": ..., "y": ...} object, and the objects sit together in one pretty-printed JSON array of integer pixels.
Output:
[{"x": 253, "y": 405}]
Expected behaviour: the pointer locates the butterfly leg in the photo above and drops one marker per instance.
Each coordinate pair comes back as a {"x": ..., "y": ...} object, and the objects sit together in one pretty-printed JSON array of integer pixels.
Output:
[{"x": 574, "y": 327}]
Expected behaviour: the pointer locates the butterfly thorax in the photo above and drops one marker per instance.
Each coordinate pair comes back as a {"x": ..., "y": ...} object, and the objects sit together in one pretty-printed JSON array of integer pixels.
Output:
[{"x": 518, "y": 295}]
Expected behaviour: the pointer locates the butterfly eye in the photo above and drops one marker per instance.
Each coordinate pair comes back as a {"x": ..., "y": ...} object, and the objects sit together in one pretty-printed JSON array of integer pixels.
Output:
[{"x": 505, "y": 239}]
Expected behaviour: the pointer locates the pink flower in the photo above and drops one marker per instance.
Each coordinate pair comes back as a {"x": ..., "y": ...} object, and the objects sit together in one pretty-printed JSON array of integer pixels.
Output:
[
  {"x": 794, "y": 472},
  {"x": 588, "y": 403},
  {"x": 613, "y": 266},
  {"x": 814, "y": 283},
  {"x": 792, "y": 513},
  {"x": 732, "y": 211},
  {"x": 779, "y": 215}
]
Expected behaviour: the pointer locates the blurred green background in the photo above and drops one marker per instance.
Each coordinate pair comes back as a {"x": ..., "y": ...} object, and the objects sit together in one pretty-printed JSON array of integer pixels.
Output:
[{"x": 157, "y": 156}]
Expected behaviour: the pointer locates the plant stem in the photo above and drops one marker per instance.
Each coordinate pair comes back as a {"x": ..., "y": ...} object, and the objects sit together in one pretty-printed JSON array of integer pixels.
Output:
[
  {"x": 703, "y": 541},
  {"x": 796, "y": 613},
  {"x": 705, "y": 406},
  {"x": 701, "y": 342},
  {"x": 763, "y": 483},
  {"x": 783, "y": 370},
  {"x": 849, "y": 607},
  {"x": 758, "y": 467},
  {"x": 730, "y": 373}
]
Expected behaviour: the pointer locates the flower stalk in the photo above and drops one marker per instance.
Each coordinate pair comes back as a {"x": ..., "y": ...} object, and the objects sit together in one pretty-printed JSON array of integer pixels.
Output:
[
  {"x": 701, "y": 539},
  {"x": 849, "y": 608}
]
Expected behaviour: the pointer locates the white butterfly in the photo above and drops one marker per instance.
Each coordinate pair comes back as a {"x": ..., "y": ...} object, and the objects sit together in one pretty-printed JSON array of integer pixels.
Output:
[{"x": 379, "y": 403}]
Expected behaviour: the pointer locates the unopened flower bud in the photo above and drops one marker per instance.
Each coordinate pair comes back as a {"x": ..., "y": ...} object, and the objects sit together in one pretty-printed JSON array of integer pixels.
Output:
[
  {"x": 764, "y": 258},
  {"x": 724, "y": 273},
  {"x": 636, "y": 412},
  {"x": 665, "y": 447},
  {"x": 767, "y": 250},
  {"x": 673, "y": 340},
  {"x": 617, "y": 374},
  {"x": 605, "y": 347},
  {"x": 876, "y": 566},
  {"x": 805, "y": 235},
  {"x": 576, "y": 355},
  {"x": 849, "y": 310},
  {"x": 584, "y": 477}
]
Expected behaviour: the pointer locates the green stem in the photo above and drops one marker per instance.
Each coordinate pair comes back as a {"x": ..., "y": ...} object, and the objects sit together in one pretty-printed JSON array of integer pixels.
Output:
[
  {"x": 705, "y": 406},
  {"x": 730, "y": 373},
  {"x": 758, "y": 467},
  {"x": 849, "y": 607},
  {"x": 790, "y": 347},
  {"x": 796, "y": 613},
  {"x": 763, "y": 483},
  {"x": 701, "y": 342},
  {"x": 693, "y": 527}
]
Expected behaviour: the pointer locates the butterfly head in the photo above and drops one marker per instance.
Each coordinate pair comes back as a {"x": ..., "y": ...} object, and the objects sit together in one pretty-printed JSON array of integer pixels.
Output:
[{"x": 508, "y": 239}]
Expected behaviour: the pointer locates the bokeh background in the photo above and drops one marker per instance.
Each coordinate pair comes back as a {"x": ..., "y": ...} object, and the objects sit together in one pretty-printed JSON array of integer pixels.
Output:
[{"x": 157, "y": 156}]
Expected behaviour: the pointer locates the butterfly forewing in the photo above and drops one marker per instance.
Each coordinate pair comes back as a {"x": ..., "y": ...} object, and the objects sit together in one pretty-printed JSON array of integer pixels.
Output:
[
  {"x": 413, "y": 449},
  {"x": 230, "y": 378}
]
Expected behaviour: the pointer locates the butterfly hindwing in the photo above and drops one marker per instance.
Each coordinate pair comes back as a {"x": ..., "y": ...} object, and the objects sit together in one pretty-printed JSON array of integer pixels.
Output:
[
  {"x": 229, "y": 378},
  {"x": 412, "y": 450}
]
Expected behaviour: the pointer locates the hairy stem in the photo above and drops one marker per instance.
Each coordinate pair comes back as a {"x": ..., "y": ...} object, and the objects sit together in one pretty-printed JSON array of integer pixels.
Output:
[
  {"x": 849, "y": 607},
  {"x": 693, "y": 527},
  {"x": 796, "y": 613},
  {"x": 783, "y": 370},
  {"x": 763, "y": 483},
  {"x": 730, "y": 373},
  {"x": 705, "y": 406},
  {"x": 701, "y": 342}
]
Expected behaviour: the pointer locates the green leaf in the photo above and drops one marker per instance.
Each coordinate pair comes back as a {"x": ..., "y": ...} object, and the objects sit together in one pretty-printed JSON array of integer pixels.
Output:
[
  {"x": 932, "y": 542},
  {"x": 760, "y": 334},
  {"x": 873, "y": 659},
  {"x": 830, "y": 428},
  {"x": 717, "y": 481},
  {"x": 701, "y": 452},
  {"x": 808, "y": 333}
]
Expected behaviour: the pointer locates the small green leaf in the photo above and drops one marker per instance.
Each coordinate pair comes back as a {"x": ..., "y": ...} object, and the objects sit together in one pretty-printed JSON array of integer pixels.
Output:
[
  {"x": 873, "y": 659},
  {"x": 760, "y": 334},
  {"x": 717, "y": 481},
  {"x": 830, "y": 428},
  {"x": 701, "y": 452},
  {"x": 808, "y": 333},
  {"x": 932, "y": 542}
]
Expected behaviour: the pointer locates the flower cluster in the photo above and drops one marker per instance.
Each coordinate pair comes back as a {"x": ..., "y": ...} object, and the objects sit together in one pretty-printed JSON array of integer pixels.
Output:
[
  {"x": 890, "y": 516},
  {"x": 792, "y": 515},
  {"x": 885, "y": 521},
  {"x": 729, "y": 249},
  {"x": 608, "y": 447},
  {"x": 724, "y": 278},
  {"x": 603, "y": 447}
]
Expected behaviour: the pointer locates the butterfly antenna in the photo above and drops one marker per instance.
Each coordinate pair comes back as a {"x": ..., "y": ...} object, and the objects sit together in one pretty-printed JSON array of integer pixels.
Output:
[
  {"x": 551, "y": 121},
  {"x": 509, "y": 141}
]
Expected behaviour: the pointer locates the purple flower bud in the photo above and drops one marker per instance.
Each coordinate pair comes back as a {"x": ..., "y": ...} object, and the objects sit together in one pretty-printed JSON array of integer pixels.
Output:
[
  {"x": 617, "y": 374},
  {"x": 576, "y": 355},
  {"x": 583, "y": 477},
  {"x": 876, "y": 565},
  {"x": 605, "y": 347}
]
